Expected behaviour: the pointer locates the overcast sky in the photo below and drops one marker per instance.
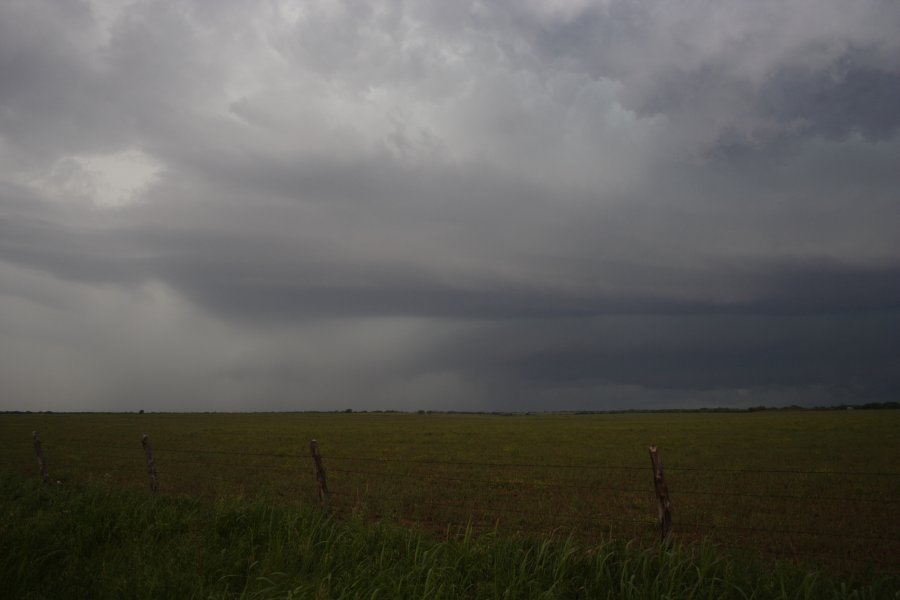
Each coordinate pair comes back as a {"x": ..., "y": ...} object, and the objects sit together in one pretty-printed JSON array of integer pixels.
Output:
[{"x": 432, "y": 204}]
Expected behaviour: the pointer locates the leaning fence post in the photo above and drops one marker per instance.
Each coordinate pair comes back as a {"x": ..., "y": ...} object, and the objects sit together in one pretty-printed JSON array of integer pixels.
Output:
[
  {"x": 662, "y": 495},
  {"x": 39, "y": 451},
  {"x": 320, "y": 473},
  {"x": 151, "y": 466}
]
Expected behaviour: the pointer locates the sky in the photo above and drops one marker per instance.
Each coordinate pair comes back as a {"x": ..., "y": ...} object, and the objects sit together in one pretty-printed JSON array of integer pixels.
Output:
[{"x": 498, "y": 205}]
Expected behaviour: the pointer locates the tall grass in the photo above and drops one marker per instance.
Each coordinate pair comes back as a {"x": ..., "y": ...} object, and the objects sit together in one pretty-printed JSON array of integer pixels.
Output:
[{"x": 101, "y": 541}]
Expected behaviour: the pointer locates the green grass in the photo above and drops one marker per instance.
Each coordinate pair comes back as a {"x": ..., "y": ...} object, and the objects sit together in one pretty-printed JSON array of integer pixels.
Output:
[
  {"x": 839, "y": 505},
  {"x": 102, "y": 541}
]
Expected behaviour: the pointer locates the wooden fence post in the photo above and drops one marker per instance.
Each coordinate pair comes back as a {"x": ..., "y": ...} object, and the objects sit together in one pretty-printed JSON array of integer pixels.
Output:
[
  {"x": 320, "y": 473},
  {"x": 151, "y": 466},
  {"x": 39, "y": 451},
  {"x": 662, "y": 495}
]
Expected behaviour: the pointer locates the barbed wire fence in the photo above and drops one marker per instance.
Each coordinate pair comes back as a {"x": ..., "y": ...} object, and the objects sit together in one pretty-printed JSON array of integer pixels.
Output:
[{"x": 783, "y": 513}]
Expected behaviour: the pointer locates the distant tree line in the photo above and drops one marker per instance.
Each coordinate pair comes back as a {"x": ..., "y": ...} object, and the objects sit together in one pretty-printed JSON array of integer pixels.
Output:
[{"x": 866, "y": 406}]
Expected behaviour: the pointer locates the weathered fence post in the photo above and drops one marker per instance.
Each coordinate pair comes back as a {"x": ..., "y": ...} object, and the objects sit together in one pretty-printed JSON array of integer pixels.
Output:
[
  {"x": 39, "y": 451},
  {"x": 151, "y": 466},
  {"x": 320, "y": 473},
  {"x": 662, "y": 495}
]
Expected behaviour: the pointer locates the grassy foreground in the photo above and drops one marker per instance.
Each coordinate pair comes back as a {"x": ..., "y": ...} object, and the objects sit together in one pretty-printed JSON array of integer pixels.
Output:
[
  {"x": 102, "y": 541},
  {"x": 821, "y": 488}
]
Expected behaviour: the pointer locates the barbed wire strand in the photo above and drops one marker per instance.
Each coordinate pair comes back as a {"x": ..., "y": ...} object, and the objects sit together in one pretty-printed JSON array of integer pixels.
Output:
[
  {"x": 495, "y": 482},
  {"x": 506, "y": 464}
]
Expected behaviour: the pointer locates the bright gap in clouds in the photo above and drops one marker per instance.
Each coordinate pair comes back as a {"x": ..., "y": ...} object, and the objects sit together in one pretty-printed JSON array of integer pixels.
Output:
[
  {"x": 118, "y": 179},
  {"x": 110, "y": 180}
]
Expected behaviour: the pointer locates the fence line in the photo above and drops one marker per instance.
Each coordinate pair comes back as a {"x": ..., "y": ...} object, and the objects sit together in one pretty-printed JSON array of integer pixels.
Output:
[
  {"x": 89, "y": 443},
  {"x": 536, "y": 484},
  {"x": 714, "y": 493},
  {"x": 681, "y": 492},
  {"x": 592, "y": 521},
  {"x": 483, "y": 464},
  {"x": 285, "y": 469}
]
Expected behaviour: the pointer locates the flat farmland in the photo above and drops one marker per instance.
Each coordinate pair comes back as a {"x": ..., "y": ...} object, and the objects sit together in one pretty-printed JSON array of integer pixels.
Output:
[{"x": 821, "y": 488}]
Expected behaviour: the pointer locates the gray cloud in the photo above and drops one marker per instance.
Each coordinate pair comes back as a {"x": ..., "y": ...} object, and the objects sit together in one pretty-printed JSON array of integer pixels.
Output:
[
  {"x": 466, "y": 205},
  {"x": 736, "y": 72},
  {"x": 854, "y": 100}
]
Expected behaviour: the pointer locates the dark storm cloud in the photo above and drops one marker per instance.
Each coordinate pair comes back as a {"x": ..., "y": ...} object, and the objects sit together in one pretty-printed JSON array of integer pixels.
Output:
[
  {"x": 853, "y": 100},
  {"x": 840, "y": 355},
  {"x": 518, "y": 204},
  {"x": 748, "y": 72},
  {"x": 256, "y": 279},
  {"x": 805, "y": 352},
  {"x": 823, "y": 287},
  {"x": 835, "y": 101}
]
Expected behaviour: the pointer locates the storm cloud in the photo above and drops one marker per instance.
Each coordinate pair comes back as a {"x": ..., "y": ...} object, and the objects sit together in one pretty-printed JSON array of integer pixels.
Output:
[{"x": 471, "y": 205}]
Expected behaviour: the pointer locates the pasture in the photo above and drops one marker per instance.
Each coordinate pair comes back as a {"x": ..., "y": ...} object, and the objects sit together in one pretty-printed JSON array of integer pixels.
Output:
[{"x": 821, "y": 489}]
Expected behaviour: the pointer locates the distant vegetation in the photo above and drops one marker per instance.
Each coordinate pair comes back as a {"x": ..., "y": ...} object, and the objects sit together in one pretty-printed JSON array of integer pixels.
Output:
[{"x": 866, "y": 406}]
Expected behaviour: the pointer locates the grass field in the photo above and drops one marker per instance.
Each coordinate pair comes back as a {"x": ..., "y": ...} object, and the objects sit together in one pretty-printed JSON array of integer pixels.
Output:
[
  {"x": 98, "y": 541},
  {"x": 818, "y": 488}
]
